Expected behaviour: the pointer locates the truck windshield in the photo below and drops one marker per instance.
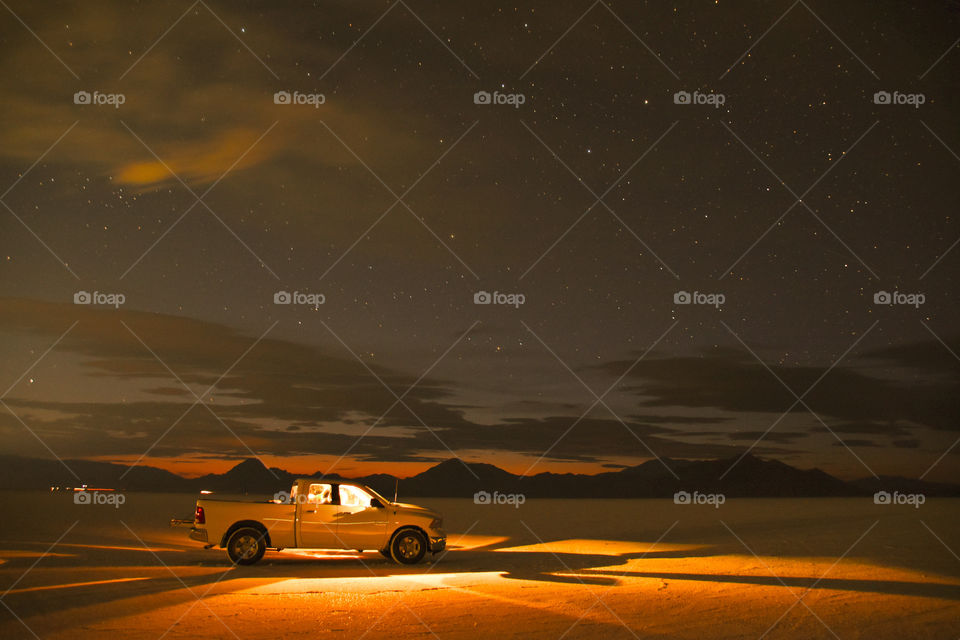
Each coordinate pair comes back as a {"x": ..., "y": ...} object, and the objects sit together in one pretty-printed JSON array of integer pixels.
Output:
[{"x": 376, "y": 495}]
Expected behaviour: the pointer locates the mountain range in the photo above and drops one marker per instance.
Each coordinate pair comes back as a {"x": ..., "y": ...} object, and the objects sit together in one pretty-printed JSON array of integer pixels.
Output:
[{"x": 750, "y": 477}]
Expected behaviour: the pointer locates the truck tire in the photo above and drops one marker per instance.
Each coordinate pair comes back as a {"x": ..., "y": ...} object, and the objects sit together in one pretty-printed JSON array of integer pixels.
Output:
[
  {"x": 408, "y": 546},
  {"x": 246, "y": 545}
]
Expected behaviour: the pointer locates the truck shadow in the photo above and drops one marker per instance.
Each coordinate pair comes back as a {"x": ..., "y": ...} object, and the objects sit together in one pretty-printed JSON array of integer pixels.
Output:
[
  {"x": 890, "y": 587},
  {"x": 610, "y": 569},
  {"x": 563, "y": 567},
  {"x": 169, "y": 576}
]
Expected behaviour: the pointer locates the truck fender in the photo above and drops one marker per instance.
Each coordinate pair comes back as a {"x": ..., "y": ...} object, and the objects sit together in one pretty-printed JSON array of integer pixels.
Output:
[
  {"x": 404, "y": 528},
  {"x": 246, "y": 523}
]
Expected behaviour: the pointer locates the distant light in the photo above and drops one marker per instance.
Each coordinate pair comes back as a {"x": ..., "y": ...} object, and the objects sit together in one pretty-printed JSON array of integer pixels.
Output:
[{"x": 205, "y": 492}]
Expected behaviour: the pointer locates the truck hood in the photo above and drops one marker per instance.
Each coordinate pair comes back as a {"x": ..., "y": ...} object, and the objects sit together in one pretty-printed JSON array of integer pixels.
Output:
[{"x": 414, "y": 509}]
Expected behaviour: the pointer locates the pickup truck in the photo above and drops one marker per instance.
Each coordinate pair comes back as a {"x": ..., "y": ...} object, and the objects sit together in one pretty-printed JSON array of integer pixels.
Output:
[{"x": 319, "y": 515}]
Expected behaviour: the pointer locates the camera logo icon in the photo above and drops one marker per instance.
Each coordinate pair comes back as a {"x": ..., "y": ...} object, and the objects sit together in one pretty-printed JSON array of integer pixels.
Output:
[
  {"x": 82, "y": 97},
  {"x": 481, "y": 497},
  {"x": 881, "y": 497},
  {"x": 82, "y": 497},
  {"x": 882, "y": 97},
  {"x": 681, "y": 97},
  {"x": 482, "y": 97},
  {"x": 282, "y": 297},
  {"x": 681, "y": 497},
  {"x": 82, "y": 297},
  {"x": 482, "y": 297},
  {"x": 682, "y": 297},
  {"x": 882, "y": 297},
  {"x": 281, "y": 97}
]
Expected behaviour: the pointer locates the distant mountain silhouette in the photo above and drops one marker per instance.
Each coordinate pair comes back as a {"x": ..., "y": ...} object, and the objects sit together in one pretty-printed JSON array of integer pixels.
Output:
[
  {"x": 652, "y": 479},
  {"x": 250, "y": 476},
  {"x": 454, "y": 478}
]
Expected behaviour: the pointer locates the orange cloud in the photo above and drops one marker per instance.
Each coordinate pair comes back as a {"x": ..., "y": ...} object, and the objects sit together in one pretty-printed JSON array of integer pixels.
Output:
[
  {"x": 143, "y": 173},
  {"x": 200, "y": 162}
]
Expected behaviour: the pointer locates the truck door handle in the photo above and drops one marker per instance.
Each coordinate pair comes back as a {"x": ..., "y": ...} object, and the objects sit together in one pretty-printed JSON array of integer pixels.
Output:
[{"x": 311, "y": 511}]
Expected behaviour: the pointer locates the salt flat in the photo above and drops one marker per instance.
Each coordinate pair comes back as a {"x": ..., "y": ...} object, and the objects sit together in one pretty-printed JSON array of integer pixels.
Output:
[{"x": 811, "y": 568}]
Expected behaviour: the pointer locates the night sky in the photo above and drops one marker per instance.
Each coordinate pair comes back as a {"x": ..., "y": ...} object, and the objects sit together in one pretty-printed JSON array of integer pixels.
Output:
[{"x": 399, "y": 198}]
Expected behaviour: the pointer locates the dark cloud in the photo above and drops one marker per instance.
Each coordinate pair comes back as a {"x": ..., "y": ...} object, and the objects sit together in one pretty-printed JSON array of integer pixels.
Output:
[
  {"x": 855, "y": 442},
  {"x": 782, "y": 437},
  {"x": 912, "y": 443},
  {"x": 730, "y": 380},
  {"x": 288, "y": 399},
  {"x": 866, "y": 428}
]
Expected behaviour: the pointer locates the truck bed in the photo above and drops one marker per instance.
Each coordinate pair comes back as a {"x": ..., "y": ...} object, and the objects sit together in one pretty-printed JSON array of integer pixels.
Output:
[{"x": 278, "y": 518}]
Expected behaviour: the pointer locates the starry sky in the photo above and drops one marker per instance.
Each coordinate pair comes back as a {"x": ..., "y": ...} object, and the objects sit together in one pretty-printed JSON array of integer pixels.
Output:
[{"x": 187, "y": 193}]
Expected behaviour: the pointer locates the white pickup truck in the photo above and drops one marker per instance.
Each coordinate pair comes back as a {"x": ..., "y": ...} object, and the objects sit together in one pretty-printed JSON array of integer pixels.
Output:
[{"x": 319, "y": 515}]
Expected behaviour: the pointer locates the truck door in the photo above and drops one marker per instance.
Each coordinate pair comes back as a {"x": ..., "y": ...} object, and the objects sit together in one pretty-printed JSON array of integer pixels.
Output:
[
  {"x": 360, "y": 525},
  {"x": 317, "y": 521}
]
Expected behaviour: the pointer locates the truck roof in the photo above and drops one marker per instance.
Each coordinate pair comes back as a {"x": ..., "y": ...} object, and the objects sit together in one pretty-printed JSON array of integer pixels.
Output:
[{"x": 331, "y": 481}]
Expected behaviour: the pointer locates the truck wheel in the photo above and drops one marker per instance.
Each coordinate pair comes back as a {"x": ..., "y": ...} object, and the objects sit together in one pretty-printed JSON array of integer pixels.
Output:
[
  {"x": 246, "y": 545},
  {"x": 408, "y": 546}
]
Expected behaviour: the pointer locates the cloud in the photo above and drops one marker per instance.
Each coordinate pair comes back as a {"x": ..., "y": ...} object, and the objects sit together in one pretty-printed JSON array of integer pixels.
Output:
[
  {"x": 855, "y": 442},
  {"x": 201, "y": 161},
  {"x": 280, "y": 398},
  {"x": 728, "y": 380},
  {"x": 911, "y": 443},
  {"x": 201, "y": 120},
  {"x": 288, "y": 399}
]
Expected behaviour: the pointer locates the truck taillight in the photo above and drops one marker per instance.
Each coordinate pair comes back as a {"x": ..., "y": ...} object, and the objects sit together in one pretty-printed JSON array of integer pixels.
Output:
[{"x": 199, "y": 518}]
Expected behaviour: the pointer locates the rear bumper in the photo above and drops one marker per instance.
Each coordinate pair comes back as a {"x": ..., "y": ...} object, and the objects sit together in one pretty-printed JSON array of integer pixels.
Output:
[
  {"x": 438, "y": 544},
  {"x": 199, "y": 535}
]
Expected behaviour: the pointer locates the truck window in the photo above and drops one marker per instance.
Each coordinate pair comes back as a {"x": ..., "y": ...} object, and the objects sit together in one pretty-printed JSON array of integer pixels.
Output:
[
  {"x": 353, "y": 496},
  {"x": 320, "y": 494}
]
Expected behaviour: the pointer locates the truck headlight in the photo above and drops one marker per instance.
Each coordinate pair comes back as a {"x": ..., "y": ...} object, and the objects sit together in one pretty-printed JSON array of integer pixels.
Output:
[{"x": 437, "y": 523}]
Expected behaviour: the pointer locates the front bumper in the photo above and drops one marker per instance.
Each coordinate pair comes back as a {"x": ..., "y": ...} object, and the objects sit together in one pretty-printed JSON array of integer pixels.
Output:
[
  {"x": 199, "y": 535},
  {"x": 438, "y": 544}
]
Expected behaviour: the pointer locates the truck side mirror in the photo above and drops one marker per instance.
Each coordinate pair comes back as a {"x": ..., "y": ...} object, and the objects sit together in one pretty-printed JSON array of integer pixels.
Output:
[{"x": 376, "y": 504}]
